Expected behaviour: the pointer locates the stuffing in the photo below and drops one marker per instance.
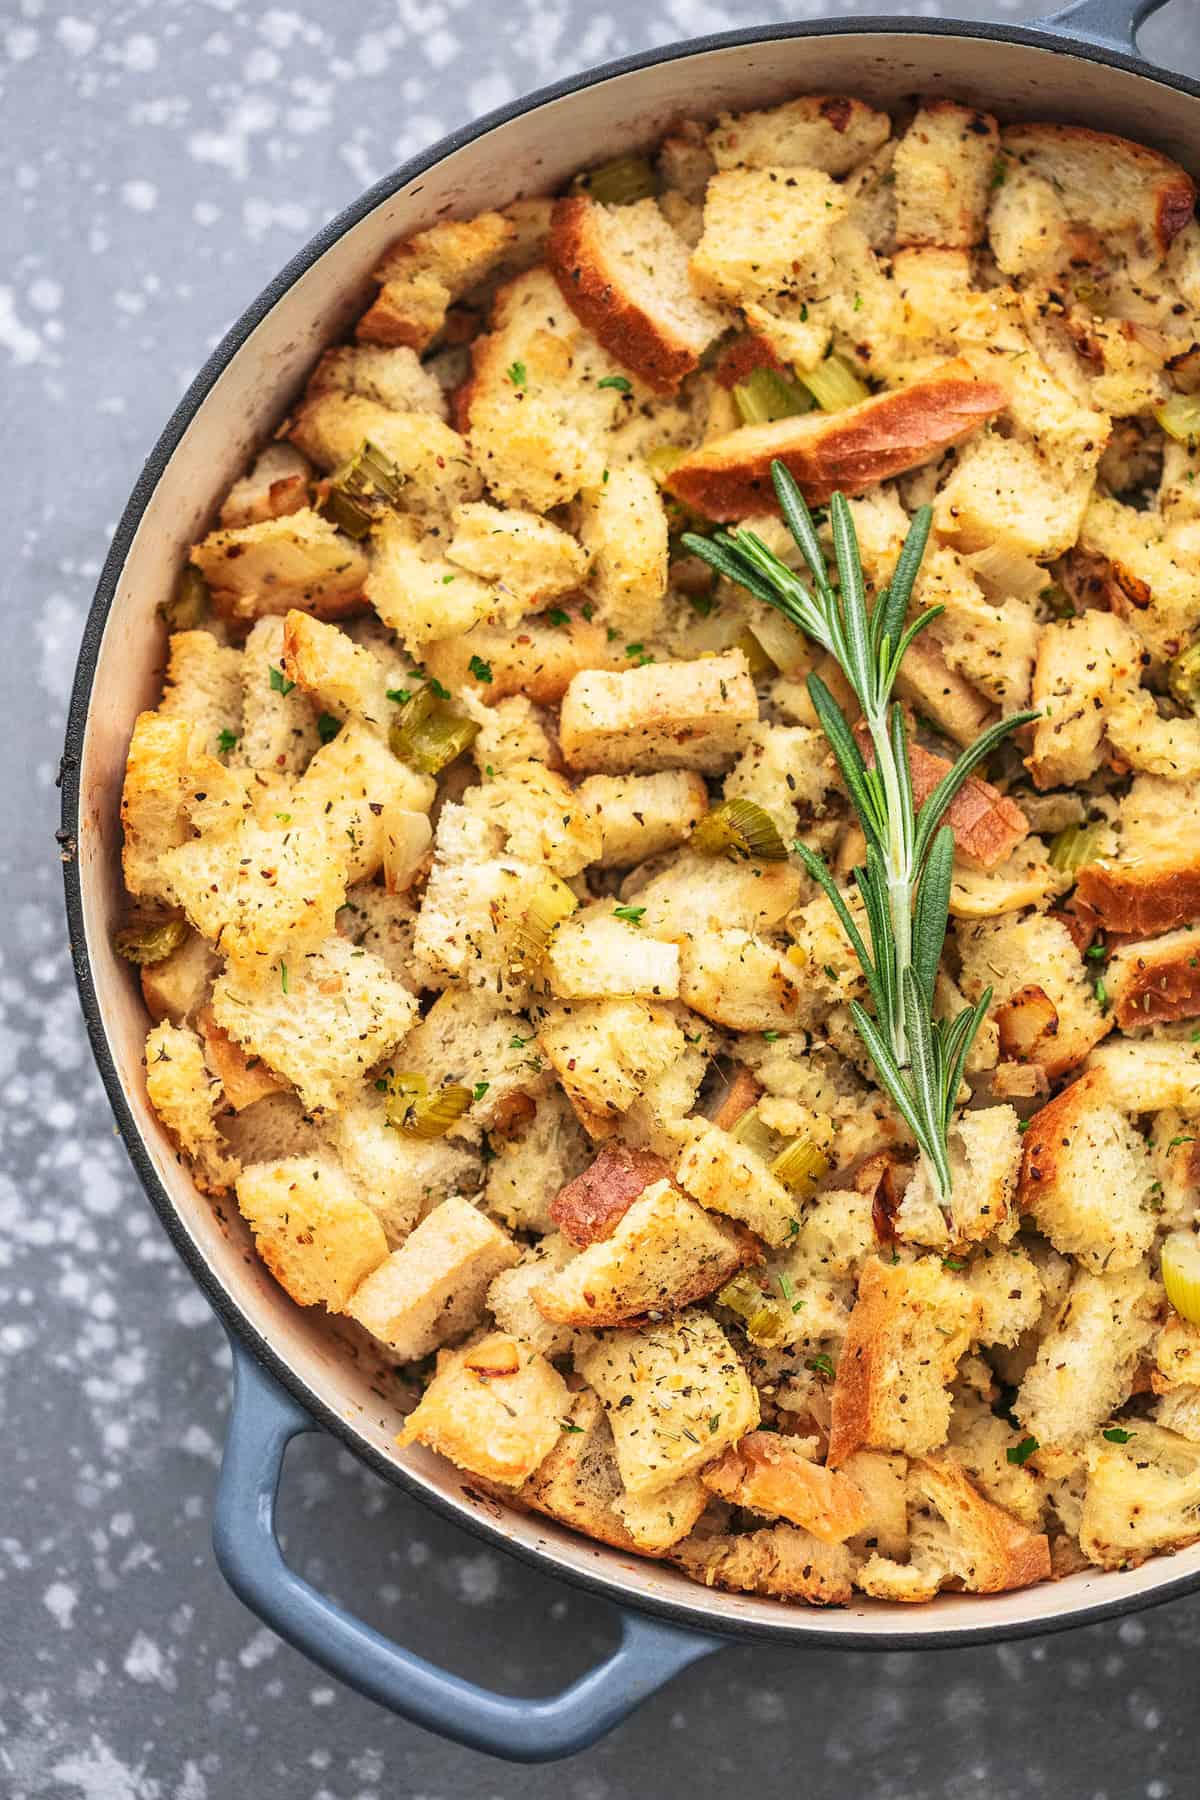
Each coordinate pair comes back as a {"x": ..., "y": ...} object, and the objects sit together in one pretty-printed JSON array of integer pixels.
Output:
[{"x": 561, "y": 1094}]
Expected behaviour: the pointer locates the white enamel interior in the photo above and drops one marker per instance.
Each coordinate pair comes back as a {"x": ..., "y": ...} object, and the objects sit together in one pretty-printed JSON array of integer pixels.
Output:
[{"x": 528, "y": 154}]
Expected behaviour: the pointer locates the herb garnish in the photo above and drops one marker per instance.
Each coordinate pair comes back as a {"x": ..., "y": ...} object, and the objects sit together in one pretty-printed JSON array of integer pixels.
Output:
[
  {"x": 905, "y": 885},
  {"x": 279, "y": 681},
  {"x": 1021, "y": 1453},
  {"x": 632, "y": 915}
]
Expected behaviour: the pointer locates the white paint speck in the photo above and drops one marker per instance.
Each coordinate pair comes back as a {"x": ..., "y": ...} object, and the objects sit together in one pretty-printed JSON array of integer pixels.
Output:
[
  {"x": 22, "y": 343},
  {"x": 77, "y": 36},
  {"x": 145, "y": 1662},
  {"x": 60, "y": 1601},
  {"x": 139, "y": 195}
]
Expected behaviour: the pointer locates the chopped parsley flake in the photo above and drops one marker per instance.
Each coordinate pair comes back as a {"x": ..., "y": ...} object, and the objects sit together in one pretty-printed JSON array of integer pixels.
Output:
[
  {"x": 1116, "y": 1435},
  {"x": 480, "y": 1089},
  {"x": 283, "y": 977},
  {"x": 822, "y": 1365},
  {"x": 632, "y": 915},
  {"x": 616, "y": 381},
  {"x": 1021, "y": 1453},
  {"x": 225, "y": 741},
  {"x": 556, "y": 616},
  {"x": 328, "y": 727},
  {"x": 482, "y": 671},
  {"x": 516, "y": 373},
  {"x": 279, "y": 682}
]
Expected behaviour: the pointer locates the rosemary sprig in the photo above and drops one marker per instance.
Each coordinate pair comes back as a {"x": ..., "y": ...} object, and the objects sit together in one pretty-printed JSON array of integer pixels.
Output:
[{"x": 905, "y": 884}]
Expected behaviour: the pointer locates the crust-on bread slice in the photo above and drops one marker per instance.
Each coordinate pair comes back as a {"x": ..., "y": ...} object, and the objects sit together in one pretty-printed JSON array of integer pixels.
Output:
[
  {"x": 769, "y": 1474},
  {"x": 591, "y": 1206},
  {"x": 851, "y": 450},
  {"x": 1107, "y": 182},
  {"x": 1156, "y": 980},
  {"x": 970, "y": 1538},
  {"x": 422, "y": 276},
  {"x": 783, "y": 1560},
  {"x": 1152, "y": 885},
  {"x": 831, "y": 132},
  {"x": 1086, "y": 1177},
  {"x": 494, "y": 1408},
  {"x": 432, "y": 1289},
  {"x": 1142, "y": 1495},
  {"x": 624, "y": 273}
]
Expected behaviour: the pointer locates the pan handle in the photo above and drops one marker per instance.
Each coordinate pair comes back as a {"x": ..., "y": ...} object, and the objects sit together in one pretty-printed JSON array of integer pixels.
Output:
[
  {"x": 264, "y": 1419},
  {"x": 1109, "y": 24}
]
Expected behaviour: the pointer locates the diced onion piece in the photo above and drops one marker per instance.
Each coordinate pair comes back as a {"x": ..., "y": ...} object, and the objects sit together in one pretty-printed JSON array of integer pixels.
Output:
[
  {"x": 767, "y": 394},
  {"x": 427, "y": 736},
  {"x": 787, "y": 647},
  {"x": 755, "y": 1136},
  {"x": 1183, "y": 676},
  {"x": 407, "y": 836},
  {"x": 761, "y": 1317},
  {"x": 150, "y": 941},
  {"x": 1180, "y": 417},
  {"x": 757, "y": 660},
  {"x": 739, "y": 828},
  {"x": 190, "y": 602},
  {"x": 800, "y": 1167},
  {"x": 1005, "y": 572},
  {"x": 415, "y": 1112},
  {"x": 619, "y": 182},
  {"x": 1181, "y": 1273},
  {"x": 1077, "y": 845},
  {"x": 361, "y": 489},
  {"x": 551, "y": 904},
  {"x": 834, "y": 385}
]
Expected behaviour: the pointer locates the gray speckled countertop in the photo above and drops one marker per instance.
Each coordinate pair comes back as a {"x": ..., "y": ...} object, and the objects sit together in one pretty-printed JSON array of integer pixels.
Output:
[{"x": 158, "y": 162}]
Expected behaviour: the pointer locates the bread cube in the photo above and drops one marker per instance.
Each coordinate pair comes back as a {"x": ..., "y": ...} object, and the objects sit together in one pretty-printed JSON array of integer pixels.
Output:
[
  {"x": 421, "y": 276},
  {"x": 769, "y": 1474},
  {"x": 530, "y": 1167},
  {"x": 1142, "y": 1496},
  {"x": 605, "y": 1051},
  {"x": 494, "y": 1408},
  {"x": 782, "y": 1561},
  {"x": 275, "y": 485},
  {"x": 534, "y": 559},
  {"x": 729, "y": 1178},
  {"x": 1086, "y": 1178},
  {"x": 944, "y": 167},
  {"x": 433, "y": 1288},
  {"x": 401, "y": 1178},
  {"x": 318, "y": 1239},
  {"x": 833, "y": 132},
  {"x": 663, "y": 715},
  {"x": 296, "y": 561},
  {"x": 602, "y": 957},
  {"x": 738, "y": 981},
  {"x": 1086, "y": 1360},
  {"x": 641, "y": 815}
]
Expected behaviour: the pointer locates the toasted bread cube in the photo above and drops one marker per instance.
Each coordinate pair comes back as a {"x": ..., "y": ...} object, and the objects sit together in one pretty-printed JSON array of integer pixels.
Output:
[
  {"x": 832, "y": 132},
  {"x": 1146, "y": 1075},
  {"x": 1087, "y": 1359},
  {"x": 958, "y": 1534},
  {"x": 187, "y": 1095},
  {"x": 432, "y": 458},
  {"x": 339, "y": 1014},
  {"x": 1086, "y": 1178},
  {"x": 420, "y": 277},
  {"x": 664, "y": 715},
  {"x": 624, "y": 526},
  {"x": 463, "y": 1038},
  {"x": 1082, "y": 665},
  {"x": 605, "y": 1051},
  {"x": 728, "y": 1178},
  {"x": 641, "y": 815},
  {"x": 420, "y": 594},
  {"x": 1145, "y": 741},
  {"x": 511, "y": 1297},
  {"x": 494, "y": 1408},
  {"x": 664, "y": 1253},
  {"x": 157, "y": 783},
  {"x": 702, "y": 893},
  {"x": 730, "y": 477},
  {"x": 588, "y": 1208},
  {"x": 943, "y": 169},
  {"x": 296, "y": 561},
  {"x": 984, "y": 1153},
  {"x": 401, "y": 1178},
  {"x": 881, "y": 1479},
  {"x": 1042, "y": 997},
  {"x": 1153, "y": 882},
  {"x": 782, "y": 1561},
  {"x": 767, "y": 232},
  {"x": 781, "y": 768},
  {"x": 537, "y": 659},
  {"x": 539, "y": 814},
  {"x": 1107, "y": 183},
  {"x": 691, "y": 1397},
  {"x": 276, "y": 485},
  {"x": 602, "y": 958},
  {"x": 535, "y": 414},
  {"x": 1142, "y": 1496},
  {"x": 1155, "y": 980},
  {"x": 393, "y": 376},
  {"x": 624, "y": 272},
  {"x": 1003, "y": 493},
  {"x": 1029, "y": 227},
  {"x": 910, "y": 1326},
  {"x": 345, "y": 679},
  {"x": 768, "y": 1474},
  {"x": 739, "y": 981},
  {"x": 529, "y": 1169},
  {"x": 1152, "y": 572},
  {"x": 260, "y": 892},
  {"x": 177, "y": 988},
  {"x": 278, "y": 729},
  {"x": 317, "y": 1238},
  {"x": 1007, "y": 1286},
  {"x": 203, "y": 685},
  {"x": 432, "y": 1289},
  {"x": 511, "y": 732},
  {"x": 244, "y": 1079},
  {"x": 535, "y": 559},
  {"x": 1176, "y": 1354},
  {"x": 373, "y": 919},
  {"x": 346, "y": 787}
]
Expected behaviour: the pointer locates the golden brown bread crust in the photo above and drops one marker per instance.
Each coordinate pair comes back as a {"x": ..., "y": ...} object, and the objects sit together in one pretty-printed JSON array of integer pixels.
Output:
[
  {"x": 738, "y": 1098},
  {"x": 1003, "y": 1552},
  {"x": 767, "y": 1473},
  {"x": 245, "y": 1079},
  {"x": 1142, "y": 899},
  {"x": 851, "y": 450},
  {"x": 576, "y": 258},
  {"x": 1151, "y": 983},
  {"x": 747, "y": 353},
  {"x": 589, "y": 1207},
  {"x": 1048, "y": 1132},
  {"x": 1171, "y": 192}
]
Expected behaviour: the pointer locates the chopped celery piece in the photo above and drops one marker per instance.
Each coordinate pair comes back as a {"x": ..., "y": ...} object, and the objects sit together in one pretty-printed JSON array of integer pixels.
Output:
[
  {"x": 760, "y": 1315},
  {"x": 1181, "y": 1273},
  {"x": 1183, "y": 676},
  {"x": 619, "y": 182},
  {"x": 150, "y": 940},
  {"x": 1180, "y": 417},
  {"x": 767, "y": 394},
  {"x": 663, "y": 459},
  {"x": 739, "y": 828},
  {"x": 552, "y": 903},
  {"x": 361, "y": 489},
  {"x": 834, "y": 385},
  {"x": 417, "y": 1113},
  {"x": 189, "y": 604},
  {"x": 427, "y": 735},
  {"x": 1077, "y": 845},
  {"x": 755, "y": 1136},
  {"x": 800, "y": 1167}
]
